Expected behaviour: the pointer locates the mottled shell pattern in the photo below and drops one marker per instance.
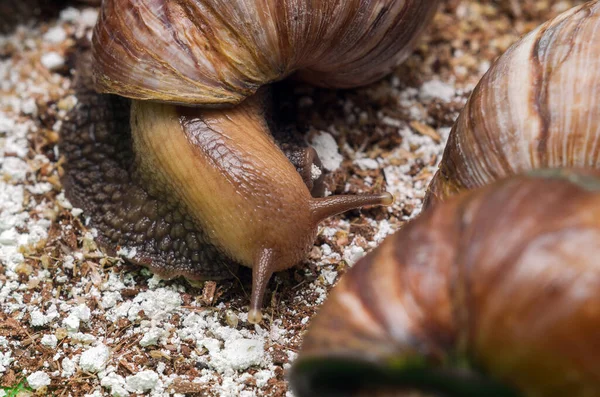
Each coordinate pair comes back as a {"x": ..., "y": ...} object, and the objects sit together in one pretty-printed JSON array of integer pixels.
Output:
[
  {"x": 494, "y": 281},
  {"x": 216, "y": 52},
  {"x": 538, "y": 106}
]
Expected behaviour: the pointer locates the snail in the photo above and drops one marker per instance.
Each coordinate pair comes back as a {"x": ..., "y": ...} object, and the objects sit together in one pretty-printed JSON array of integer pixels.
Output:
[
  {"x": 536, "y": 107},
  {"x": 494, "y": 292},
  {"x": 188, "y": 174}
]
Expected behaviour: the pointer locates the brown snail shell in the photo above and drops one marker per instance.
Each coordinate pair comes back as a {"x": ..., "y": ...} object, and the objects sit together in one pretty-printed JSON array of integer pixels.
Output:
[
  {"x": 213, "y": 52},
  {"x": 536, "y": 107},
  {"x": 500, "y": 285}
]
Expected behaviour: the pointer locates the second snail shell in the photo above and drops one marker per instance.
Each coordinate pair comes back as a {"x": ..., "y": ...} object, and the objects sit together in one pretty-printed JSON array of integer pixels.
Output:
[
  {"x": 538, "y": 106},
  {"x": 490, "y": 293}
]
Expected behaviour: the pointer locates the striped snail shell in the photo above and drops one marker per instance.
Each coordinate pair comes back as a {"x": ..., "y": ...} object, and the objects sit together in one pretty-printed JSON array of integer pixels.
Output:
[
  {"x": 495, "y": 292},
  {"x": 215, "y": 52},
  {"x": 538, "y": 106}
]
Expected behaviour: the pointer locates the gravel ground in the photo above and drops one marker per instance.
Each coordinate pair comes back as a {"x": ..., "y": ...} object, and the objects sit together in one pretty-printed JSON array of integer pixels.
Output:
[{"x": 74, "y": 322}]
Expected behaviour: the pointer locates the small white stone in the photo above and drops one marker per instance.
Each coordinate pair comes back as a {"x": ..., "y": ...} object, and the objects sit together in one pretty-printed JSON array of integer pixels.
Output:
[
  {"x": 55, "y": 35},
  {"x": 38, "y": 379},
  {"x": 38, "y": 319},
  {"x": 71, "y": 322},
  {"x": 127, "y": 253},
  {"x": 70, "y": 14},
  {"x": 49, "y": 341},
  {"x": 315, "y": 172},
  {"x": 82, "y": 312},
  {"x": 89, "y": 17},
  {"x": 40, "y": 188},
  {"x": 353, "y": 254},
  {"x": 110, "y": 299},
  {"x": 63, "y": 201},
  {"x": 436, "y": 89},
  {"x": 29, "y": 106},
  {"x": 76, "y": 212},
  {"x": 151, "y": 337},
  {"x": 80, "y": 337},
  {"x": 329, "y": 275},
  {"x": 68, "y": 367},
  {"x": 116, "y": 384},
  {"x": 142, "y": 381},
  {"x": 327, "y": 149},
  {"x": 5, "y": 361},
  {"x": 94, "y": 360},
  {"x": 243, "y": 353},
  {"x": 367, "y": 164},
  {"x": 52, "y": 60}
]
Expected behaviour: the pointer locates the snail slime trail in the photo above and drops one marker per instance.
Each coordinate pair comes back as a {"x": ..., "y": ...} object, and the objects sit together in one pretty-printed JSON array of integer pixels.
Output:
[{"x": 196, "y": 192}]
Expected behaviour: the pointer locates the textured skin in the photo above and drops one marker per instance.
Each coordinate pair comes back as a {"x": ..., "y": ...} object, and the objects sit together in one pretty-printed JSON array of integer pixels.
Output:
[
  {"x": 101, "y": 178},
  {"x": 538, "y": 106}
]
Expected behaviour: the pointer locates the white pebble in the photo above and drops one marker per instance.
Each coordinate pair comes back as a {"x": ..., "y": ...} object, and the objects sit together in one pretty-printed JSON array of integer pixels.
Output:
[
  {"x": 367, "y": 164},
  {"x": 353, "y": 254},
  {"x": 49, "y": 341},
  {"x": 116, "y": 384},
  {"x": 151, "y": 337},
  {"x": 94, "y": 360},
  {"x": 29, "y": 106},
  {"x": 68, "y": 367},
  {"x": 89, "y": 17},
  {"x": 327, "y": 149},
  {"x": 243, "y": 353},
  {"x": 52, "y": 60},
  {"x": 71, "y": 322},
  {"x": 70, "y": 14},
  {"x": 142, "y": 381},
  {"x": 38, "y": 319},
  {"x": 38, "y": 379},
  {"x": 55, "y": 35},
  {"x": 436, "y": 89}
]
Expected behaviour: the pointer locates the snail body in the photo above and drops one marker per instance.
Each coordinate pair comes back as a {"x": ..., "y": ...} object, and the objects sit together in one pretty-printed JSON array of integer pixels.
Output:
[
  {"x": 208, "y": 189},
  {"x": 248, "y": 198},
  {"x": 535, "y": 108},
  {"x": 491, "y": 287},
  {"x": 194, "y": 193}
]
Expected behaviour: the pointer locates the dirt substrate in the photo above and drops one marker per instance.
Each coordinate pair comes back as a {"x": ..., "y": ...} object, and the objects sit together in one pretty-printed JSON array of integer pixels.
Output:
[{"x": 75, "y": 322}]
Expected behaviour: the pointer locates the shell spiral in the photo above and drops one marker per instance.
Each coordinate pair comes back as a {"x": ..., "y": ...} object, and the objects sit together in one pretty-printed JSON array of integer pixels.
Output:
[
  {"x": 216, "y": 52},
  {"x": 538, "y": 106},
  {"x": 493, "y": 281}
]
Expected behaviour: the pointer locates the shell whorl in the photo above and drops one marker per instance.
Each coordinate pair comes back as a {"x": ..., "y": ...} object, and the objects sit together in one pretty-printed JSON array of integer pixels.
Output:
[
  {"x": 493, "y": 281},
  {"x": 215, "y": 52},
  {"x": 538, "y": 106}
]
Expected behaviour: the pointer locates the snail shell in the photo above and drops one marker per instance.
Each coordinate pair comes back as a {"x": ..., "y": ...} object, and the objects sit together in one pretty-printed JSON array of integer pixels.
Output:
[
  {"x": 213, "y": 52},
  {"x": 536, "y": 107},
  {"x": 491, "y": 287}
]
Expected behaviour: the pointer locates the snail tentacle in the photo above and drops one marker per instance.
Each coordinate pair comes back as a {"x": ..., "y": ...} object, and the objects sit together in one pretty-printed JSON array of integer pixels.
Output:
[{"x": 323, "y": 207}]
